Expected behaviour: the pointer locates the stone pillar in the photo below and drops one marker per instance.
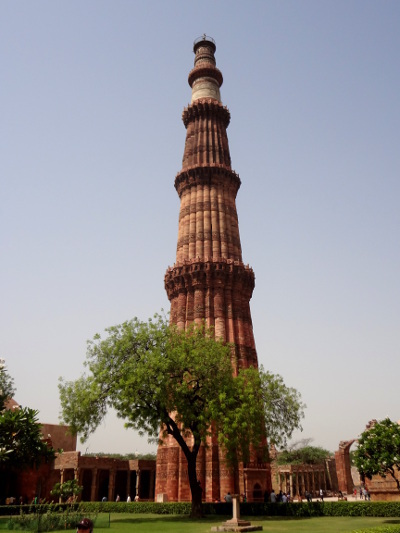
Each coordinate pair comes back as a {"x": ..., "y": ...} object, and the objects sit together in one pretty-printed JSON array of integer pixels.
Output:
[
  {"x": 111, "y": 486},
  {"x": 235, "y": 521},
  {"x": 61, "y": 482},
  {"x": 152, "y": 484},
  {"x": 137, "y": 488},
  {"x": 128, "y": 483},
  {"x": 93, "y": 491}
]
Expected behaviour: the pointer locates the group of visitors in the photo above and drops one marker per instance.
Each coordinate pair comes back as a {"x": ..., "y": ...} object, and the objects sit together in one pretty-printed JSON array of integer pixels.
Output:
[
  {"x": 22, "y": 500},
  {"x": 285, "y": 497},
  {"x": 364, "y": 494},
  {"x": 118, "y": 498},
  {"x": 281, "y": 497},
  {"x": 129, "y": 499}
]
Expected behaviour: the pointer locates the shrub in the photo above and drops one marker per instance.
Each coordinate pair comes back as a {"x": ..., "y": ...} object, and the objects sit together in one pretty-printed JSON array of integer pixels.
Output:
[
  {"x": 298, "y": 510},
  {"x": 51, "y": 519}
]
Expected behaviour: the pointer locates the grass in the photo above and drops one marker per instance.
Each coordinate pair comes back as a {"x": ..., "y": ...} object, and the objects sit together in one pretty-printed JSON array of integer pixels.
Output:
[{"x": 128, "y": 523}]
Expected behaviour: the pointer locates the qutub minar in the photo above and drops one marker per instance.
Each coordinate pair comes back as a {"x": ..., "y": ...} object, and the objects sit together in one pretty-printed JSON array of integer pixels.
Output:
[{"x": 209, "y": 281}]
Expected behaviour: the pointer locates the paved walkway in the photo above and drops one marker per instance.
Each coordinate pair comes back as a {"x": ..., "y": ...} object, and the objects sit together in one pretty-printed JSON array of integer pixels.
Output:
[{"x": 350, "y": 498}]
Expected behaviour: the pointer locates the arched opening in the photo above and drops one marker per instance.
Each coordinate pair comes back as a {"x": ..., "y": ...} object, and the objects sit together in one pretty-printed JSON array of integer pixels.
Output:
[{"x": 257, "y": 493}]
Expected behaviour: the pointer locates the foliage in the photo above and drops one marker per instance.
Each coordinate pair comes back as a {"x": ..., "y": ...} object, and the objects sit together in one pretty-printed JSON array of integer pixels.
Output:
[
  {"x": 6, "y": 385},
  {"x": 35, "y": 508},
  {"x": 260, "y": 404},
  {"x": 68, "y": 489},
  {"x": 142, "y": 507},
  {"x": 378, "y": 451},
  {"x": 298, "y": 510},
  {"x": 21, "y": 439},
  {"x": 307, "y": 455},
  {"x": 125, "y": 457},
  {"x": 153, "y": 374},
  {"x": 47, "y": 519}
]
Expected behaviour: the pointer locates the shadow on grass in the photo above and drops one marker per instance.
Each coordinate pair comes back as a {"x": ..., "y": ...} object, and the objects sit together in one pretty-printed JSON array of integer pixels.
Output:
[
  {"x": 153, "y": 519},
  {"x": 266, "y": 518},
  {"x": 212, "y": 519}
]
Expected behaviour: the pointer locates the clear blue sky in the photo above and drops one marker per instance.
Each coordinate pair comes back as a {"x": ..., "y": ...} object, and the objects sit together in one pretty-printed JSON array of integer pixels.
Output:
[{"x": 91, "y": 140}]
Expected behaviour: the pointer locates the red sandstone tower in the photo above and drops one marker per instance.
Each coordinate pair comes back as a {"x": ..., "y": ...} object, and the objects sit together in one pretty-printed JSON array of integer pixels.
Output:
[{"x": 209, "y": 280}]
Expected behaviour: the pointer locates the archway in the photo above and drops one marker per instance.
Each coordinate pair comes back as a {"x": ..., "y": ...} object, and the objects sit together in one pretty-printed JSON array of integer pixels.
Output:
[
  {"x": 257, "y": 493},
  {"x": 343, "y": 466}
]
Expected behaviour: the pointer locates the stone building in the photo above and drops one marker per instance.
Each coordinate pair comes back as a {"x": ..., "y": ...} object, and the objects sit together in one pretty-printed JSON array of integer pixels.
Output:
[
  {"x": 297, "y": 479},
  {"x": 100, "y": 476},
  {"x": 209, "y": 280},
  {"x": 106, "y": 477}
]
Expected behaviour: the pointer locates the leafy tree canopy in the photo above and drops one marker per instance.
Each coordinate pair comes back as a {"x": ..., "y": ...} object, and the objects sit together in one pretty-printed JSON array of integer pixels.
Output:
[
  {"x": 302, "y": 453},
  {"x": 21, "y": 440},
  {"x": 378, "y": 451},
  {"x": 67, "y": 490},
  {"x": 6, "y": 385},
  {"x": 153, "y": 374},
  {"x": 124, "y": 456}
]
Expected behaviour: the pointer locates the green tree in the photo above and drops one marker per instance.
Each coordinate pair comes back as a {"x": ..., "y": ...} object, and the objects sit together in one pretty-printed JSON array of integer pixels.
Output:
[
  {"x": 6, "y": 385},
  {"x": 67, "y": 490},
  {"x": 378, "y": 451},
  {"x": 155, "y": 377},
  {"x": 21, "y": 440},
  {"x": 303, "y": 453}
]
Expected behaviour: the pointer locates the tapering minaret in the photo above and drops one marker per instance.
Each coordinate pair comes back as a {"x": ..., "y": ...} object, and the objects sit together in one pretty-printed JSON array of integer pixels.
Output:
[{"x": 209, "y": 280}]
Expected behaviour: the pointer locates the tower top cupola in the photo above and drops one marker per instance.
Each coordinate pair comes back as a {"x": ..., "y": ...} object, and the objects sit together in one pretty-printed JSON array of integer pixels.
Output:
[{"x": 205, "y": 79}]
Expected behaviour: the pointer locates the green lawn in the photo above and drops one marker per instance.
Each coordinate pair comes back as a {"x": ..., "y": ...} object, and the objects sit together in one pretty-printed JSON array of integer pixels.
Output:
[
  {"x": 177, "y": 524},
  {"x": 136, "y": 523}
]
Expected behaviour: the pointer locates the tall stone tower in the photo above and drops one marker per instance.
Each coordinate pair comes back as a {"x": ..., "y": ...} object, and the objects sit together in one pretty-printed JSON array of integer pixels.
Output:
[{"x": 209, "y": 280}]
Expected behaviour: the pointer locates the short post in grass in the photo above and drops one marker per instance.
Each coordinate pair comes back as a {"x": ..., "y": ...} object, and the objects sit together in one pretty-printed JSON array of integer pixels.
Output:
[{"x": 235, "y": 523}]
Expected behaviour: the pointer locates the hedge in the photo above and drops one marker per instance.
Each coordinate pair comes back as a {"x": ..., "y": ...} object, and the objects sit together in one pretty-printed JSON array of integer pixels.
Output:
[
  {"x": 304, "y": 509},
  {"x": 12, "y": 510}
]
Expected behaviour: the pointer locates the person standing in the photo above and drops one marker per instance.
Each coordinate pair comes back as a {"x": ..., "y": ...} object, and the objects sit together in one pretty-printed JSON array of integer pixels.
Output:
[{"x": 84, "y": 526}]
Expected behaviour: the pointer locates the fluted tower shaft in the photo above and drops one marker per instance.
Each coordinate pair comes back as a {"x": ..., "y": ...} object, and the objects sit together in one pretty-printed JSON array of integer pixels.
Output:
[{"x": 209, "y": 280}]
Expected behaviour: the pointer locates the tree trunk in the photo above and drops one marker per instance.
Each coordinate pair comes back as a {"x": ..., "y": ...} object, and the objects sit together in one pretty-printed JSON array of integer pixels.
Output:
[
  {"x": 392, "y": 473},
  {"x": 195, "y": 488},
  {"x": 191, "y": 458}
]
